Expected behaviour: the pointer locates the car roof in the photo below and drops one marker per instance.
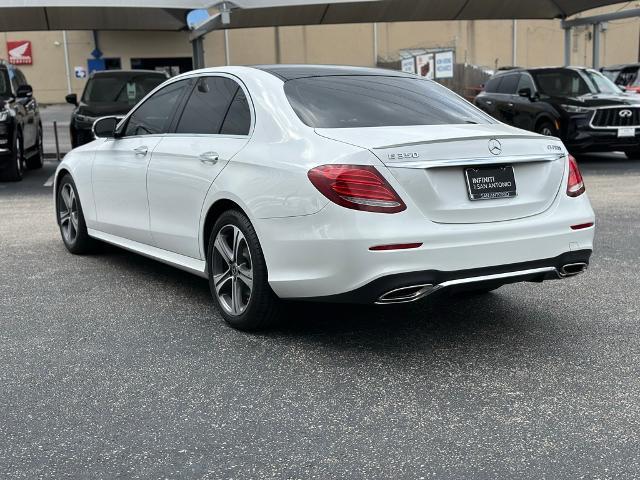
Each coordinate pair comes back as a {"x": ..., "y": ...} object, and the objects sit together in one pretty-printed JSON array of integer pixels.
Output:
[
  {"x": 292, "y": 72},
  {"x": 539, "y": 69}
]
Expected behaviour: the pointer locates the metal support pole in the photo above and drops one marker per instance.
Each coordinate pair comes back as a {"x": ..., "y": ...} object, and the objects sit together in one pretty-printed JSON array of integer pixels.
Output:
[
  {"x": 198, "y": 52},
  {"x": 66, "y": 60},
  {"x": 276, "y": 37},
  {"x": 596, "y": 45},
  {"x": 375, "y": 44},
  {"x": 227, "y": 55},
  {"x": 514, "y": 43},
  {"x": 55, "y": 135},
  {"x": 567, "y": 45}
]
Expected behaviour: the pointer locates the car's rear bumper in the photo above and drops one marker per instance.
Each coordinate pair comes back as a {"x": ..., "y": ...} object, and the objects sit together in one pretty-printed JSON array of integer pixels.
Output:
[
  {"x": 412, "y": 286},
  {"x": 328, "y": 253}
]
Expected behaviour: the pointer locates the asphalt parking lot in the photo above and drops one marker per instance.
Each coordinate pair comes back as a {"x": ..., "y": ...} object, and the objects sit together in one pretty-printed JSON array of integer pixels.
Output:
[{"x": 113, "y": 365}]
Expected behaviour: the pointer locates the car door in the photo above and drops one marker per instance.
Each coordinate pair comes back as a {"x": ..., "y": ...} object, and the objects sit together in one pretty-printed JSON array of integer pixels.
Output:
[
  {"x": 30, "y": 127},
  {"x": 18, "y": 105},
  {"x": 213, "y": 126},
  {"x": 119, "y": 175},
  {"x": 505, "y": 99},
  {"x": 487, "y": 99},
  {"x": 526, "y": 108}
]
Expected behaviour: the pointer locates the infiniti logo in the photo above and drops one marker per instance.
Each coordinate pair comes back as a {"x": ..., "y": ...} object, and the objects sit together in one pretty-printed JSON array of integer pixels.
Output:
[
  {"x": 625, "y": 113},
  {"x": 495, "y": 147}
]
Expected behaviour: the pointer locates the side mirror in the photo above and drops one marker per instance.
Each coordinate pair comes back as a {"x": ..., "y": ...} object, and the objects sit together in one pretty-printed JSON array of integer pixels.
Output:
[
  {"x": 526, "y": 93},
  {"x": 24, "y": 91},
  {"x": 72, "y": 98},
  {"x": 105, "y": 127}
]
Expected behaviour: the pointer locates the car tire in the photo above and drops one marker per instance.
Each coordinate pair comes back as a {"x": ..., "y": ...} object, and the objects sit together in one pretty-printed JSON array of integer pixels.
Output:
[
  {"x": 548, "y": 129},
  {"x": 632, "y": 154},
  {"x": 73, "y": 228},
  {"x": 37, "y": 160},
  {"x": 14, "y": 171},
  {"x": 238, "y": 276}
]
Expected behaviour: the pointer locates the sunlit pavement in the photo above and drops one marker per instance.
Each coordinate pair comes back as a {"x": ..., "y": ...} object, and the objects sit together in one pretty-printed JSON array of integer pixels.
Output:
[{"x": 115, "y": 365}]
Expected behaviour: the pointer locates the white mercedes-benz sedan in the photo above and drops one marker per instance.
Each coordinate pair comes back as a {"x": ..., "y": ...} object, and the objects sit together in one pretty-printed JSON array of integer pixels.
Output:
[{"x": 325, "y": 183}]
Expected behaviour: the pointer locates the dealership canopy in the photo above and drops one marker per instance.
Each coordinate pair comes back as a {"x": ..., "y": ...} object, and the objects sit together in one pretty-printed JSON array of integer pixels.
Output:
[{"x": 26, "y": 15}]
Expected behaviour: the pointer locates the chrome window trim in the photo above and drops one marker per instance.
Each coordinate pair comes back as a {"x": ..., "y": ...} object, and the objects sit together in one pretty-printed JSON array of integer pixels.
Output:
[{"x": 188, "y": 76}]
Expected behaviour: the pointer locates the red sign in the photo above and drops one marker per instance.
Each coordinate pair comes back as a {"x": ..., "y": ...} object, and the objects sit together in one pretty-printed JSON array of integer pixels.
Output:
[{"x": 19, "y": 52}]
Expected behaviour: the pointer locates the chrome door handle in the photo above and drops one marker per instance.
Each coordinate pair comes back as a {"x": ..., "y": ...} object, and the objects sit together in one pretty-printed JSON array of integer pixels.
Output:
[
  {"x": 142, "y": 150},
  {"x": 210, "y": 158}
]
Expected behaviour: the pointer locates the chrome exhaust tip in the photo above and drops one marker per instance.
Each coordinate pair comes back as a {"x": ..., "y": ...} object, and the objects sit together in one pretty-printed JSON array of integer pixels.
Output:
[
  {"x": 571, "y": 269},
  {"x": 405, "y": 294}
]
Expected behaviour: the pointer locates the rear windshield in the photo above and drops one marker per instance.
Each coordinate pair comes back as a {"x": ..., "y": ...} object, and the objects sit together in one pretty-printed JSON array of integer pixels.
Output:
[
  {"x": 121, "y": 88},
  {"x": 377, "y": 101}
]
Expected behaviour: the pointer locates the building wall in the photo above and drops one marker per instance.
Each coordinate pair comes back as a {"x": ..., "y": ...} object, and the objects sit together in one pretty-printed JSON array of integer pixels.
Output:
[{"x": 485, "y": 43}]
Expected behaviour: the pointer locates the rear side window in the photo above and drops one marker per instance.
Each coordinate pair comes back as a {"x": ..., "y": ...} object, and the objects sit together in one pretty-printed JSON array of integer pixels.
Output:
[
  {"x": 208, "y": 106},
  {"x": 377, "y": 101},
  {"x": 493, "y": 85},
  {"x": 509, "y": 84},
  {"x": 238, "y": 119}
]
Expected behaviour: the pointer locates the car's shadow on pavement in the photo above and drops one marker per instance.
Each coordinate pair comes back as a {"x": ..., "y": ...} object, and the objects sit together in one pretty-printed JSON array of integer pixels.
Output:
[{"x": 442, "y": 319}]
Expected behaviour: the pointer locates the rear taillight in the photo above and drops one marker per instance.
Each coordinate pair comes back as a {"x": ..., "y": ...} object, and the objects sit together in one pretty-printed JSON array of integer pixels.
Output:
[
  {"x": 575, "y": 186},
  {"x": 360, "y": 187}
]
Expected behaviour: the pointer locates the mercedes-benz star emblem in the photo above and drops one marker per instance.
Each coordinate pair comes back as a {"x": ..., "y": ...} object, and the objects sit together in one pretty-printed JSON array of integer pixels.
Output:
[
  {"x": 625, "y": 113},
  {"x": 495, "y": 147}
]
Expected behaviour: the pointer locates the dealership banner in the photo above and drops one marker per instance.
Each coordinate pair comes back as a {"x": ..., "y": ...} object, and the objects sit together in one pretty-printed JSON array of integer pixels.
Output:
[
  {"x": 408, "y": 65},
  {"x": 425, "y": 65},
  {"x": 444, "y": 64},
  {"x": 19, "y": 52}
]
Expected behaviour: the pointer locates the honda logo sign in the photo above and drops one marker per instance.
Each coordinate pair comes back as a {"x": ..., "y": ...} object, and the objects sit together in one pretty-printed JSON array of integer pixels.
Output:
[{"x": 19, "y": 52}]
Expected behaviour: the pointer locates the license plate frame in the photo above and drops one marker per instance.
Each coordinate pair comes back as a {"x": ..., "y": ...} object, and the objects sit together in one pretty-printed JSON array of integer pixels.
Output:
[{"x": 492, "y": 182}]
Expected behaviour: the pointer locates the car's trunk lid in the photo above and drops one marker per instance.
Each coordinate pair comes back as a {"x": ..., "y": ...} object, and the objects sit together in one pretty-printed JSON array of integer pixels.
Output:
[{"x": 430, "y": 161}]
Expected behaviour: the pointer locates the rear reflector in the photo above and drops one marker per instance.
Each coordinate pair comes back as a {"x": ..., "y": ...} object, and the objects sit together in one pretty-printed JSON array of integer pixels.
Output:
[
  {"x": 580, "y": 226},
  {"x": 398, "y": 246},
  {"x": 575, "y": 185},
  {"x": 359, "y": 187}
]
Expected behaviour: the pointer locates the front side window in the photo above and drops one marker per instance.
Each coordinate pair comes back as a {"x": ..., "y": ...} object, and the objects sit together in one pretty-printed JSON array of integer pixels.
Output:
[
  {"x": 526, "y": 82},
  {"x": 216, "y": 105},
  {"x": 377, "y": 101},
  {"x": 154, "y": 115}
]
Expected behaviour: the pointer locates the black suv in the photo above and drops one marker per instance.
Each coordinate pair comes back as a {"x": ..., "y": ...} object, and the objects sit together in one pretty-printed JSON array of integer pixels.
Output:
[
  {"x": 579, "y": 105},
  {"x": 109, "y": 93},
  {"x": 20, "y": 126}
]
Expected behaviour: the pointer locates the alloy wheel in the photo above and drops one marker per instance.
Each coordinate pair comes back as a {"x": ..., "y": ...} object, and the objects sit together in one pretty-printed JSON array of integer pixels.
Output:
[
  {"x": 68, "y": 213},
  {"x": 232, "y": 270},
  {"x": 547, "y": 132}
]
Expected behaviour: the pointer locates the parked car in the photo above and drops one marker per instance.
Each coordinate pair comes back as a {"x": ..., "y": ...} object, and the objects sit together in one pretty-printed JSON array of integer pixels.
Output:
[
  {"x": 110, "y": 92},
  {"x": 612, "y": 72},
  {"x": 626, "y": 76},
  {"x": 20, "y": 126},
  {"x": 579, "y": 105},
  {"x": 325, "y": 183}
]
